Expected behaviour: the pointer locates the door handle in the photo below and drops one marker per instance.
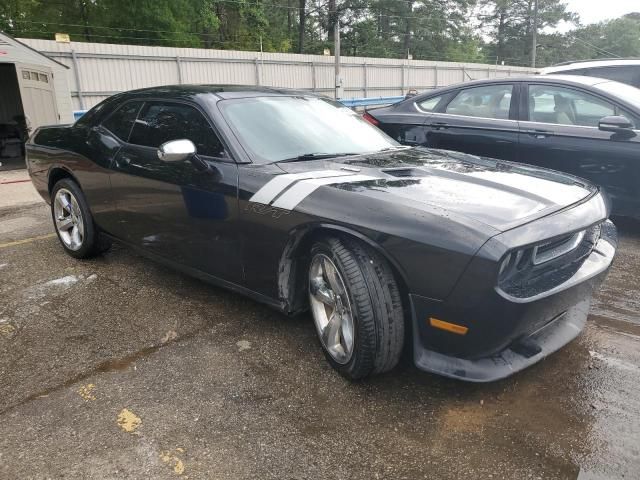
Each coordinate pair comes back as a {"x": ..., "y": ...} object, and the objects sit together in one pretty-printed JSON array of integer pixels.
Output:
[
  {"x": 538, "y": 133},
  {"x": 439, "y": 125}
]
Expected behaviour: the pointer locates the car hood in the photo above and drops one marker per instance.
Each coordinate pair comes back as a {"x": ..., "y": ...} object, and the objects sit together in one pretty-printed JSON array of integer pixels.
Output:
[{"x": 500, "y": 194}]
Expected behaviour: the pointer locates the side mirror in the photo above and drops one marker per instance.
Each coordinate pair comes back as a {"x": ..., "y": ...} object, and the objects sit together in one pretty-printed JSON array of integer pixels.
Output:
[
  {"x": 615, "y": 124},
  {"x": 176, "y": 150}
]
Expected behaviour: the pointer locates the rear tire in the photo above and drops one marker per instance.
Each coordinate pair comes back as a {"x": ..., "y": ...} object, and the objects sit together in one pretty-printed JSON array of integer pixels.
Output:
[
  {"x": 73, "y": 222},
  {"x": 356, "y": 306}
]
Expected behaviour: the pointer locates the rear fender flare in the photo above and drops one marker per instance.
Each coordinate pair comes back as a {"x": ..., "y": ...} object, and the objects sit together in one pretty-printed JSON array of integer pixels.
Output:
[{"x": 57, "y": 172}]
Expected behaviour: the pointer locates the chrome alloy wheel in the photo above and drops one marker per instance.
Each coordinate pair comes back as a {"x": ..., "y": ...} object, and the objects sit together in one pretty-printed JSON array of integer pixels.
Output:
[
  {"x": 331, "y": 308},
  {"x": 68, "y": 219}
]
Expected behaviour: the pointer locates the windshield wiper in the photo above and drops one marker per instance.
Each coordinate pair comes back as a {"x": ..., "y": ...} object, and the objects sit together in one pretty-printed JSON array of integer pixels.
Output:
[{"x": 313, "y": 156}]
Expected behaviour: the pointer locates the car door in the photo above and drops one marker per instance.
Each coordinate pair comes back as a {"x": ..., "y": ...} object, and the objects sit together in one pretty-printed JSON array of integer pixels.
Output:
[
  {"x": 559, "y": 130},
  {"x": 480, "y": 120},
  {"x": 404, "y": 122},
  {"x": 101, "y": 141},
  {"x": 177, "y": 210}
]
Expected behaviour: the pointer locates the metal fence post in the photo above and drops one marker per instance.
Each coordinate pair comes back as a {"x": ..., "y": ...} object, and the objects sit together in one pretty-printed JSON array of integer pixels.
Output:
[
  {"x": 257, "y": 65},
  {"x": 339, "y": 92},
  {"x": 314, "y": 81},
  {"x": 77, "y": 77},
  {"x": 364, "y": 78},
  {"x": 464, "y": 74},
  {"x": 435, "y": 73},
  {"x": 179, "y": 69},
  {"x": 402, "y": 79}
]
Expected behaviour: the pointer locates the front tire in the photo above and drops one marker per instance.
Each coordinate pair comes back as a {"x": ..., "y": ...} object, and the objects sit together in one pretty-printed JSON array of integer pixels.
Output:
[
  {"x": 73, "y": 221},
  {"x": 356, "y": 307}
]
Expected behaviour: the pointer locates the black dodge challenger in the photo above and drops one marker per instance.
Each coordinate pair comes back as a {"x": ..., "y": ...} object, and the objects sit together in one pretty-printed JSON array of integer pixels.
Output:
[{"x": 479, "y": 267}]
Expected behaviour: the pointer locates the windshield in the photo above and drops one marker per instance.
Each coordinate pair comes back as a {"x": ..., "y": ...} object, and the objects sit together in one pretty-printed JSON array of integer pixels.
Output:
[
  {"x": 273, "y": 129},
  {"x": 621, "y": 90}
]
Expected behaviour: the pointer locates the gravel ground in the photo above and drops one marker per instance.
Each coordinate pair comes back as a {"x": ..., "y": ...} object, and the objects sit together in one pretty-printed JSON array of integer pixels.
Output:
[{"x": 120, "y": 368}]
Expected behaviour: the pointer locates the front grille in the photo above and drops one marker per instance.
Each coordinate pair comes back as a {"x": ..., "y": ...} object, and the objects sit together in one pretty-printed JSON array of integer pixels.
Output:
[{"x": 536, "y": 269}]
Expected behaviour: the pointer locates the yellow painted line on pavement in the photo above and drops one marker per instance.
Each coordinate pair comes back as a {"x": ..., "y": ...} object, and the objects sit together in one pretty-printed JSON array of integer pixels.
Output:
[{"x": 26, "y": 240}]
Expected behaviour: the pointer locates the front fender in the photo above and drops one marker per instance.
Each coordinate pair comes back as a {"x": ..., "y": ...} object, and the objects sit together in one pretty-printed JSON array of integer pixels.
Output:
[
  {"x": 293, "y": 260},
  {"x": 420, "y": 268}
]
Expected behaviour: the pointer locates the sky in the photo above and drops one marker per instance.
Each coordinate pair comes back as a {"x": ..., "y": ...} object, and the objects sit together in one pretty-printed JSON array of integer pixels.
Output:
[{"x": 593, "y": 11}]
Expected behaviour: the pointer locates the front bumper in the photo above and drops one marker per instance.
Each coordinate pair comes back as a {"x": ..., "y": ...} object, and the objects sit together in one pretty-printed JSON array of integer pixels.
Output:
[{"x": 507, "y": 334}]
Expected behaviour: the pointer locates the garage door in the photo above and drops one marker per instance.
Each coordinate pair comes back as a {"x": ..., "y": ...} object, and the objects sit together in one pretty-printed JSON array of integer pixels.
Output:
[{"x": 38, "y": 95}]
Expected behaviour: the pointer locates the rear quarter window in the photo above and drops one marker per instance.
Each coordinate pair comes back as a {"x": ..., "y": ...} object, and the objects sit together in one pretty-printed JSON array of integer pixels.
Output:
[
  {"x": 56, "y": 137},
  {"x": 430, "y": 104}
]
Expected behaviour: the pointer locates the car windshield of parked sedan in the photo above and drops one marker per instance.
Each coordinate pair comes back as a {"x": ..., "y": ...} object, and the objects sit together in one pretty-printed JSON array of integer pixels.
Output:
[
  {"x": 621, "y": 90},
  {"x": 274, "y": 129}
]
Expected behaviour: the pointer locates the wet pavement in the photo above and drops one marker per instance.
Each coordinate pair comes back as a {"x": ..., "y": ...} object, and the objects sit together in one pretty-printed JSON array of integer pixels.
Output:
[{"x": 120, "y": 368}]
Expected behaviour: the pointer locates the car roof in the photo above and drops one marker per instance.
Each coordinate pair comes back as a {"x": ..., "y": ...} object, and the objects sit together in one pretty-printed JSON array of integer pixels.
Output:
[
  {"x": 572, "y": 79},
  {"x": 580, "y": 64},
  {"x": 575, "y": 80},
  {"x": 221, "y": 91}
]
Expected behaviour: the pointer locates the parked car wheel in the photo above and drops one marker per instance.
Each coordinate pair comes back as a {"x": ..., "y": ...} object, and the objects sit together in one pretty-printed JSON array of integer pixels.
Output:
[
  {"x": 356, "y": 307},
  {"x": 73, "y": 221}
]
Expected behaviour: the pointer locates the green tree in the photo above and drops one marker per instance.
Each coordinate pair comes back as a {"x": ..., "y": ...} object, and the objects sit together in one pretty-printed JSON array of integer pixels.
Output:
[
  {"x": 614, "y": 38},
  {"x": 509, "y": 25},
  {"x": 425, "y": 29}
]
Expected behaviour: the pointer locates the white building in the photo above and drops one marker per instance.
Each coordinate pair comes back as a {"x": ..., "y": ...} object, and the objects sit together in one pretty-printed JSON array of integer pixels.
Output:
[{"x": 32, "y": 87}]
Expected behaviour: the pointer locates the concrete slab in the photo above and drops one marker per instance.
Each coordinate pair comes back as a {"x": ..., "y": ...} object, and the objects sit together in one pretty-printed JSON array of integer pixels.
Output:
[{"x": 16, "y": 189}]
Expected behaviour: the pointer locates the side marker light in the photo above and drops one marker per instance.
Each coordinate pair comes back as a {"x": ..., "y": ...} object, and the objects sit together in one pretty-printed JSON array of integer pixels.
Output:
[{"x": 448, "y": 326}]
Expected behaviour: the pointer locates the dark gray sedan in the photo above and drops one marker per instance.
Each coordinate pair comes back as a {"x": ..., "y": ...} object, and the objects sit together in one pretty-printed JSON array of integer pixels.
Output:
[{"x": 581, "y": 125}]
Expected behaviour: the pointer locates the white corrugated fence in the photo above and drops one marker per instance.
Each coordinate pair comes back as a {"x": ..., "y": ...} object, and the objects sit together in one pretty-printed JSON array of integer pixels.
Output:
[{"x": 98, "y": 70}]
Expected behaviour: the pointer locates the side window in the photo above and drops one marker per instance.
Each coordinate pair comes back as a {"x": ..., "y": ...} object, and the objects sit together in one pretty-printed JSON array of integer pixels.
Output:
[
  {"x": 430, "y": 104},
  {"x": 491, "y": 101},
  {"x": 161, "y": 122},
  {"x": 120, "y": 122},
  {"x": 565, "y": 106}
]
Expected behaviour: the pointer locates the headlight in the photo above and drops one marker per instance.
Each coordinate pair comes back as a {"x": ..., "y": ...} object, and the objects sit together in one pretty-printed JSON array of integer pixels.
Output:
[
  {"x": 514, "y": 261},
  {"x": 519, "y": 260},
  {"x": 504, "y": 264}
]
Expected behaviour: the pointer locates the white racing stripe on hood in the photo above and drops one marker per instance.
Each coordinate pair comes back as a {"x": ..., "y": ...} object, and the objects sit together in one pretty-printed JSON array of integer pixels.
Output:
[
  {"x": 277, "y": 185},
  {"x": 301, "y": 190}
]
